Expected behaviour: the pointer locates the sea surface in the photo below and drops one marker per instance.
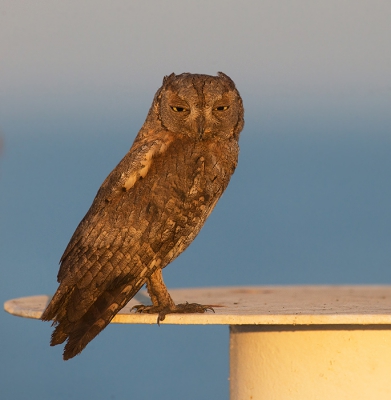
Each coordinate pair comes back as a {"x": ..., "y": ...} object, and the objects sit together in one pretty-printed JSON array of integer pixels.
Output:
[{"x": 310, "y": 203}]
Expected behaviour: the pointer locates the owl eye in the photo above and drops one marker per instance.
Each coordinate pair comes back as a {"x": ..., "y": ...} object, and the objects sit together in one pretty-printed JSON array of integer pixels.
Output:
[
  {"x": 221, "y": 108},
  {"x": 178, "y": 109}
]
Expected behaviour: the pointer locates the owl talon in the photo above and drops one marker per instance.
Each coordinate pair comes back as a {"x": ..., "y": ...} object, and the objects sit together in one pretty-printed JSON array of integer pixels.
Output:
[
  {"x": 141, "y": 308},
  {"x": 185, "y": 308}
]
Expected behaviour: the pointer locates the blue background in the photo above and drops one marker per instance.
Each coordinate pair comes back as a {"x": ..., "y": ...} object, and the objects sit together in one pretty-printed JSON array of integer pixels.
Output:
[{"x": 308, "y": 204}]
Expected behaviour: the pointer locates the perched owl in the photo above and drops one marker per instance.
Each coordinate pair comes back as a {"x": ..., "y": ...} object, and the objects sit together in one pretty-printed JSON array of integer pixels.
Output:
[{"x": 149, "y": 209}]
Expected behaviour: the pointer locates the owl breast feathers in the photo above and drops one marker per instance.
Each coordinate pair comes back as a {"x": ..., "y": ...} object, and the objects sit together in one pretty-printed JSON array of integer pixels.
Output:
[{"x": 149, "y": 209}]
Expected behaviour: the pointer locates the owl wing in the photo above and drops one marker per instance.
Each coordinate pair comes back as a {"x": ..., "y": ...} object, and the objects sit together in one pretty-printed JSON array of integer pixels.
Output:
[
  {"x": 91, "y": 230},
  {"x": 97, "y": 277}
]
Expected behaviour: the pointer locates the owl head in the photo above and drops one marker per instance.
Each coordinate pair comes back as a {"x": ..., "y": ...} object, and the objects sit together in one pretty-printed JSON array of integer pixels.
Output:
[{"x": 199, "y": 106}]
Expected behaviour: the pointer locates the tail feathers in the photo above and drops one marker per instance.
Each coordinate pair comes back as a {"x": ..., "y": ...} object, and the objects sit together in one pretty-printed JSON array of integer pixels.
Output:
[
  {"x": 57, "y": 303},
  {"x": 56, "y": 311},
  {"x": 79, "y": 333},
  {"x": 58, "y": 336}
]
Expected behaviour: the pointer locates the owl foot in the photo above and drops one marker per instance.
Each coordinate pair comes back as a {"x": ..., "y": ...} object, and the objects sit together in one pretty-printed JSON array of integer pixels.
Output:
[{"x": 186, "y": 308}]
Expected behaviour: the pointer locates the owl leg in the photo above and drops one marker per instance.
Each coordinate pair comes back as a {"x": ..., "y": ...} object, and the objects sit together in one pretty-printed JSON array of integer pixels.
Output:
[{"x": 162, "y": 302}]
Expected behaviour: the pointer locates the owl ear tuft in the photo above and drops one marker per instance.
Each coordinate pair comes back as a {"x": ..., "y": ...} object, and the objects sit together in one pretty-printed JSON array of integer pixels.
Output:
[
  {"x": 223, "y": 75},
  {"x": 168, "y": 78},
  {"x": 227, "y": 78}
]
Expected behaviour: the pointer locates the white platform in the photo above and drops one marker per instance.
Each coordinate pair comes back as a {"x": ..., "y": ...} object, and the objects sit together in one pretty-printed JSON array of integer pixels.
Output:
[{"x": 292, "y": 342}]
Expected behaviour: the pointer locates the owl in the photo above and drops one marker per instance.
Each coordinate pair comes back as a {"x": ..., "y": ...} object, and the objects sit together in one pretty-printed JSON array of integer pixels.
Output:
[{"x": 149, "y": 209}]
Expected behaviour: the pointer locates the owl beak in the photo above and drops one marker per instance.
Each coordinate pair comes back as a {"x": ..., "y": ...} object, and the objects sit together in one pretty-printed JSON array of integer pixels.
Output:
[{"x": 201, "y": 125}]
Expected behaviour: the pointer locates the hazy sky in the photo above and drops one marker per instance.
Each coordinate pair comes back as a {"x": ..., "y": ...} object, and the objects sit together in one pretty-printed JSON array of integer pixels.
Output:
[{"x": 56, "y": 54}]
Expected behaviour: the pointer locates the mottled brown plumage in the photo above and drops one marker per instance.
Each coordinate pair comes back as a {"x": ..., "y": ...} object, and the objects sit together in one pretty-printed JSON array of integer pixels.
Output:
[{"x": 149, "y": 209}]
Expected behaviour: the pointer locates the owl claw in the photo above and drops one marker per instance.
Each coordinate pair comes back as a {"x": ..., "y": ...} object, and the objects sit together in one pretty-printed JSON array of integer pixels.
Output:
[
  {"x": 185, "y": 308},
  {"x": 140, "y": 308}
]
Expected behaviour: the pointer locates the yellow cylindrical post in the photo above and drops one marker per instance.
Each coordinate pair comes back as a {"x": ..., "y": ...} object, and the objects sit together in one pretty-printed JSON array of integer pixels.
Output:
[{"x": 319, "y": 362}]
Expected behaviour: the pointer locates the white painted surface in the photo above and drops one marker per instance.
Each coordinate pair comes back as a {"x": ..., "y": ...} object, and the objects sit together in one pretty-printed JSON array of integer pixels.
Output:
[{"x": 261, "y": 305}]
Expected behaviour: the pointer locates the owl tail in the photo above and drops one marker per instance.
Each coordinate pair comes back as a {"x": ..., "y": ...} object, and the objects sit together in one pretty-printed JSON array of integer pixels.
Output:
[{"x": 80, "y": 332}]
